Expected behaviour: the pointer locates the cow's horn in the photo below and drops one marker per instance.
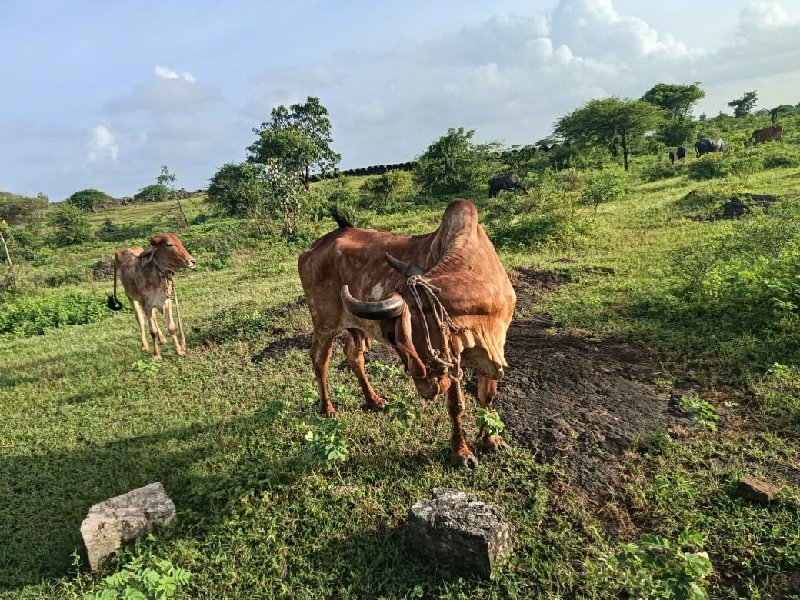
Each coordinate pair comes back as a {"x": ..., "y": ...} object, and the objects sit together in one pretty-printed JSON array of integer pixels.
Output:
[
  {"x": 405, "y": 268},
  {"x": 374, "y": 311}
]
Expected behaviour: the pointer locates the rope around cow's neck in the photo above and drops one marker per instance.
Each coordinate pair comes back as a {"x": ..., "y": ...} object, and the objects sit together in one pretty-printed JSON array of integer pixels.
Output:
[{"x": 452, "y": 365}]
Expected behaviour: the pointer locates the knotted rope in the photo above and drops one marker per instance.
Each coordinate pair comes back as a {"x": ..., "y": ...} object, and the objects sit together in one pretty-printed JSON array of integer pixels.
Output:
[
  {"x": 443, "y": 357},
  {"x": 178, "y": 314}
]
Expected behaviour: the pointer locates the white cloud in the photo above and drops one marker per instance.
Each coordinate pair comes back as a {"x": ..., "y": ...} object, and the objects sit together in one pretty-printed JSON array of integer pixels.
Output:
[
  {"x": 102, "y": 144},
  {"x": 167, "y": 73}
]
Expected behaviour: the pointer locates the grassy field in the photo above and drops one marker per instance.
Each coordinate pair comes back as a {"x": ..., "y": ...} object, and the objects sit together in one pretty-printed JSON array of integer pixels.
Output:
[{"x": 85, "y": 416}]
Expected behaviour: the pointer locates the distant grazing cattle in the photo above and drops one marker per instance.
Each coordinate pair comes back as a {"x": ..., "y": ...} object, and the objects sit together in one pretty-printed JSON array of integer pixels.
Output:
[
  {"x": 705, "y": 146},
  {"x": 681, "y": 153},
  {"x": 438, "y": 299},
  {"x": 503, "y": 181},
  {"x": 767, "y": 134},
  {"x": 672, "y": 158},
  {"x": 147, "y": 279}
]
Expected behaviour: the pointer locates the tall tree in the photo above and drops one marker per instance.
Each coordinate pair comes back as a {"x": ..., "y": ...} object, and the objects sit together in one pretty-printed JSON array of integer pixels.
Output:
[
  {"x": 610, "y": 121},
  {"x": 298, "y": 137},
  {"x": 676, "y": 100},
  {"x": 167, "y": 179},
  {"x": 742, "y": 106}
]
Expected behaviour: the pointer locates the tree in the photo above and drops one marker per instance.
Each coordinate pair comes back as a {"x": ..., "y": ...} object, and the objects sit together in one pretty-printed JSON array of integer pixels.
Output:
[
  {"x": 610, "y": 121},
  {"x": 454, "y": 163},
  {"x": 676, "y": 100},
  {"x": 167, "y": 179},
  {"x": 18, "y": 209},
  {"x": 390, "y": 186},
  {"x": 238, "y": 190},
  {"x": 70, "y": 226},
  {"x": 742, "y": 106},
  {"x": 285, "y": 196},
  {"x": 298, "y": 137},
  {"x": 88, "y": 199}
]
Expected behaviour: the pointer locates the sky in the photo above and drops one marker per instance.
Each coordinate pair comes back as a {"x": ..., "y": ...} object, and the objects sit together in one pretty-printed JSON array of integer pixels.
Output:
[{"x": 101, "y": 94}]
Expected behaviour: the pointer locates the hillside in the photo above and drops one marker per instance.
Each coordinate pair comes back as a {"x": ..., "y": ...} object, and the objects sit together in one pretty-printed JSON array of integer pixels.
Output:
[{"x": 653, "y": 362}]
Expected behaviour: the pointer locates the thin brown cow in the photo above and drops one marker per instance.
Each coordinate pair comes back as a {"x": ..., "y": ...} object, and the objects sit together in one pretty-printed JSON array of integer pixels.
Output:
[
  {"x": 774, "y": 133},
  {"x": 438, "y": 299},
  {"x": 146, "y": 276}
]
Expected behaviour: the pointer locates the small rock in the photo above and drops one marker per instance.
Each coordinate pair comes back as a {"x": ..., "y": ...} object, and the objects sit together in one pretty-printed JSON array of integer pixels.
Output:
[
  {"x": 794, "y": 582},
  {"x": 756, "y": 490},
  {"x": 124, "y": 518},
  {"x": 459, "y": 531}
]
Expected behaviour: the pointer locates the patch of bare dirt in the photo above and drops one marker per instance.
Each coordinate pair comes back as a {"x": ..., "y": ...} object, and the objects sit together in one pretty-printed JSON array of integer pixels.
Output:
[
  {"x": 586, "y": 402},
  {"x": 530, "y": 284}
]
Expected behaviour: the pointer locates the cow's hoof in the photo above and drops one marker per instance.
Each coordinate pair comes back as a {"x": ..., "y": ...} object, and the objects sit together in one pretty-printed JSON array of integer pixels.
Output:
[
  {"x": 180, "y": 353},
  {"x": 162, "y": 338},
  {"x": 494, "y": 444},
  {"x": 328, "y": 412},
  {"x": 376, "y": 404},
  {"x": 460, "y": 461},
  {"x": 146, "y": 349}
]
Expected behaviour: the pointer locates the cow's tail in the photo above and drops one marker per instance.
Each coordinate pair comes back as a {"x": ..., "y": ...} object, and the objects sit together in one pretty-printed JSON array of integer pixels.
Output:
[
  {"x": 113, "y": 301},
  {"x": 340, "y": 218}
]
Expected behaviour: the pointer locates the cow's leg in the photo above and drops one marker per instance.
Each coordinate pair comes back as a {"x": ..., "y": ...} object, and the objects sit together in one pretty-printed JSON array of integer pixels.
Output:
[
  {"x": 487, "y": 392},
  {"x": 321, "y": 356},
  {"x": 460, "y": 454},
  {"x": 354, "y": 349},
  {"x": 154, "y": 330},
  {"x": 137, "y": 311},
  {"x": 171, "y": 328}
]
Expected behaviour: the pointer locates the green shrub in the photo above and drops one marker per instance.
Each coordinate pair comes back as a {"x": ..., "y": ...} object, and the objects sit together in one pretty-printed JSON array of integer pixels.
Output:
[
  {"x": 237, "y": 189},
  {"x": 89, "y": 199},
  {"x": 35, "y": 316},
  {"x": 157, "y": 192},
  {"x": 389, "y": 187},
  {"x": 326, "y": 443},
  {"x": 70, "y": 226},
  {"x": 605, "y": 186},
  {"x": 454, "y": 164},
  {"x": 658, "y": 568},
  {"x": 709, "y": 166},
  {"x": 656, "y": 169}
]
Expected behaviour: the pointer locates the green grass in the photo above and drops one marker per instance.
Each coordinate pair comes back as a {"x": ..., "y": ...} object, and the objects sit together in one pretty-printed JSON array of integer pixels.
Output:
[{"x": 82, "y": 419}]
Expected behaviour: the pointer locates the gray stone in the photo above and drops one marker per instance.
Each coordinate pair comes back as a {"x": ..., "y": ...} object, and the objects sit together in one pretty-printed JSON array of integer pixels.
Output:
[
  {"x": 123, "y": 518},
  {"x": 757, "y": 490},
  {"x": 467, "y": 536}
]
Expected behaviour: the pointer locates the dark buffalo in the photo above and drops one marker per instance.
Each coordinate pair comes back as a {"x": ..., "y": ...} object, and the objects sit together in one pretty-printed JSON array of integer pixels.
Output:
[
  {"x": 503, "y": 181},
  {"x": 672, "y": 158},
  {"x": 681, "y": 153},
  {"x": 705, "y": 146}
]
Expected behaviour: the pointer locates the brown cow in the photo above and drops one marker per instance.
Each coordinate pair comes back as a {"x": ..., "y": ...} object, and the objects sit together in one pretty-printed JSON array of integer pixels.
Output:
[
  {"x": 436, "y": 298},
  {"x": 147, "y": 278},
  {"x": 774, "y": 133}
]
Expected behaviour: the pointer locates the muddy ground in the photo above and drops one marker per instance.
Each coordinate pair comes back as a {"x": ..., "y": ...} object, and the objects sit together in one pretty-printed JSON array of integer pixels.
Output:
[{"x": 584, "y": 402}]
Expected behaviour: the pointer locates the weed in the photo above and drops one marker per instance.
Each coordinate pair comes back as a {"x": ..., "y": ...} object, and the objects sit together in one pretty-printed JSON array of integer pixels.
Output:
[
  {"x": 658, "y": 568},
  {"x": 146, "y": 366},
  {"x": 700, "y": 410},
  {"x": 489, "y": 422},
  {"x": 402, "y": 412},
  {"x": 326, "y": 444}
]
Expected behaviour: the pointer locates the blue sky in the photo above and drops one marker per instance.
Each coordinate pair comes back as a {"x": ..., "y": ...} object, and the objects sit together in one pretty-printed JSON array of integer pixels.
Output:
[{"x": 100, "y": 94}]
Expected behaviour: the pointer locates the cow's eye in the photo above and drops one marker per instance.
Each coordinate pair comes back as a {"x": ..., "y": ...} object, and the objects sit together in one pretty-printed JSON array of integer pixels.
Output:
[{"x": 170, "y": 244}]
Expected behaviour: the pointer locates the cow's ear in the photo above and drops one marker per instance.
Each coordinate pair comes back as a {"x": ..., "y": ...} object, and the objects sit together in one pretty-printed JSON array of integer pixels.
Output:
[
  {"x": 403, "y": 339},
  {"x": 157, "y": 240}
]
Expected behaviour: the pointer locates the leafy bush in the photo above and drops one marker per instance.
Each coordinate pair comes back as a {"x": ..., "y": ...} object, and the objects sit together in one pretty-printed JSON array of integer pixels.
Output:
[
  {"x": 63, "y": 276},
  {"x": 389, "y": 187},
  {"x": 20, "y": 209},
  {"x": 603, "y": 187},
  {"x": 88, "y": 199},
  {"x": 326, "y": 443},
  {"x": 658, "y": 568},
  {"x": 70, "y": 226},
  {"x": 549, "y": 215},
  {"x": 157, "y": 192},
  {"x": 34, "y": 316},
  {"x": 709, "y": 166},
  {"x": 142, "y": 579},
  {"x": 237, "y": 189},
  {"x": 454, "y": 163},
  {"x": 657, "y": 168}
]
